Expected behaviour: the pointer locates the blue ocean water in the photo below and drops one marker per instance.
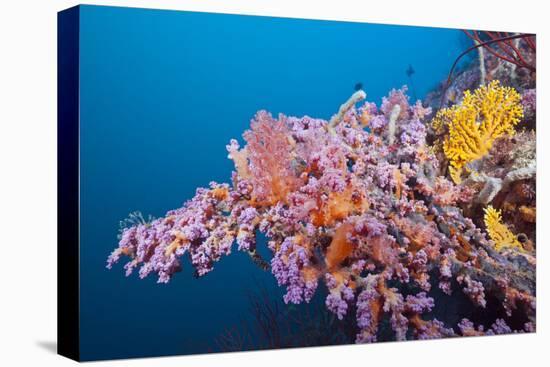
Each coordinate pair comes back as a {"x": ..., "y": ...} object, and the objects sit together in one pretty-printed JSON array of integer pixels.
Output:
[{"x": 162, "y": 93}]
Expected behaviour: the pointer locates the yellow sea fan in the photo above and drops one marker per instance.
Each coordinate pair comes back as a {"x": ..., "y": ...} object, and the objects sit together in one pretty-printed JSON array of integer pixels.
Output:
[
  {"x": 441, "y": 120},
  {"x": 490, "y": 112},
  {"x": 455, "y": 175},
  {"x": 498, "y": 231}
]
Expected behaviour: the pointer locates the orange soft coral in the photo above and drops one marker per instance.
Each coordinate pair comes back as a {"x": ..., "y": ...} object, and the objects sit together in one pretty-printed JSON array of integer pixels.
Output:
[
  {"x": 340, "y": 247},
  {"x": 338, "y": 207},
  {"x": 420, "y": 235}
]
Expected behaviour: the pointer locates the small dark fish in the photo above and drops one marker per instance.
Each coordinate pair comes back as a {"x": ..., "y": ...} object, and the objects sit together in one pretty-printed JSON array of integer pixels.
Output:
[
  {"x": 409, "y": 71},
  {"x": 358, "y": 86}
]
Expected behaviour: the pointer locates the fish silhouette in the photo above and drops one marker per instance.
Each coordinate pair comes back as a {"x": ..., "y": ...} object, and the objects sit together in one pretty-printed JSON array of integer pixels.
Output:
[{"x": 409, "y": 71}]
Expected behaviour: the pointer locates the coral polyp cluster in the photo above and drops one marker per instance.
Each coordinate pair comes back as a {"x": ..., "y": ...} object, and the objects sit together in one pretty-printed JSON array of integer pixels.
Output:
[{"x": 357, "y": 205}]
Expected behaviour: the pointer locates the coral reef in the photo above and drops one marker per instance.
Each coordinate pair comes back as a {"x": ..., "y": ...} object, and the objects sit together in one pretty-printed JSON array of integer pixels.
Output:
[
  {"x": 504, "y": 176},
  {"x": 360, "y": 206}
]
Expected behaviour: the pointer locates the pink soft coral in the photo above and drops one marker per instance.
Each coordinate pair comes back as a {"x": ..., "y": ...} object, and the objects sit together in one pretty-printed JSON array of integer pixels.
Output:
[{"x": 269, "y": 152}]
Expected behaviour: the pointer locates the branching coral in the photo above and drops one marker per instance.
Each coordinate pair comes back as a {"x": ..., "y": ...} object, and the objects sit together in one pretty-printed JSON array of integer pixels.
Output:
[
  {"x": 359, "y": 211},
  {"x": 498, "y": 231},
  {"x": 483, "y": 116}
]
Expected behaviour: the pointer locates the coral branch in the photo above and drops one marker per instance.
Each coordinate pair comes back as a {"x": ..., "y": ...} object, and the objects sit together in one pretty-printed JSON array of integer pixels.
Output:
[
  {"x": 489, "y": 113},
  {"x": 345, "y": 107}
]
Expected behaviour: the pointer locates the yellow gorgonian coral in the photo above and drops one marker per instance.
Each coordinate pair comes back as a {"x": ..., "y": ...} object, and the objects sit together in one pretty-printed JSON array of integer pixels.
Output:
[
  {"x": 442, "y": 120},
  {"x": 483, "y": 116},
  {"x": 498, "y": 231}
]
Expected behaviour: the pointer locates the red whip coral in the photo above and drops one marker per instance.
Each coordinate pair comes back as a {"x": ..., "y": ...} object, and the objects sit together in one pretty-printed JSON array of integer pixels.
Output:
[
  {"x": 361, "y": 211},
  {"x": 509, "y": 50}
]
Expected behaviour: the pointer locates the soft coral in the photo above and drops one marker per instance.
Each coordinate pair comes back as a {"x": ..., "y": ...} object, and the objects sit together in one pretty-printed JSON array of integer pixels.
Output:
[{"x": 269, "y": 149}]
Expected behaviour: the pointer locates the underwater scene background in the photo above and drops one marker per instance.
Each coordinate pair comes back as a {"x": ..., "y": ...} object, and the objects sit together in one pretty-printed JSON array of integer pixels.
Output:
[{"x": 162, "y": 95}]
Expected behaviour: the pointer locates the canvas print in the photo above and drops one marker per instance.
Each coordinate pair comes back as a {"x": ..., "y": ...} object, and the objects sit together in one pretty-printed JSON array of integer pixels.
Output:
[{"x": 253, "y": 183}]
